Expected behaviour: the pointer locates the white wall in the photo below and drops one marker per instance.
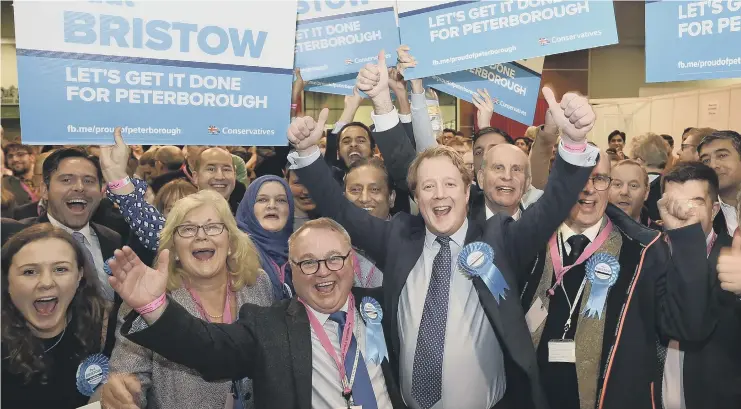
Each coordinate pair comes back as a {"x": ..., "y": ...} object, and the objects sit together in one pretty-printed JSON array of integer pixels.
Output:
[{"x": 718, "y": 108}]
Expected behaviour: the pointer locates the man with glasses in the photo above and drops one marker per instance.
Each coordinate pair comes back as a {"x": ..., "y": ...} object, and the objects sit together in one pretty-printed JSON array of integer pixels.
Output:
[
  {"x": 324, "y": 347},
  {"x": 690, "y": 141},
  {"x": 597, "y": 296},
  {"x": 20, "y": 160}
]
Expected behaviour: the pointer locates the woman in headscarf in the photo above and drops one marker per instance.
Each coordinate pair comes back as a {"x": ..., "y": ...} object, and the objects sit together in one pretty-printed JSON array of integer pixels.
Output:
[{"x": 266, "y": 214}]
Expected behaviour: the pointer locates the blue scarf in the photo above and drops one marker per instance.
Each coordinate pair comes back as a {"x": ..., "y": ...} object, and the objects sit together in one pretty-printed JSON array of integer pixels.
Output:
[{"x": 272, "y": 246}]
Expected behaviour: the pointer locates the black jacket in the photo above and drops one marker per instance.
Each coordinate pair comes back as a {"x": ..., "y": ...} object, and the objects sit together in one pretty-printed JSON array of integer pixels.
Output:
[
  {"x": 654, "y": 194},
  {"x": 396, "y": 246},
  {"x": 270, "y": 345},
  {"x": 712, "y": 367},
  {"x": 663, "y": 296}
]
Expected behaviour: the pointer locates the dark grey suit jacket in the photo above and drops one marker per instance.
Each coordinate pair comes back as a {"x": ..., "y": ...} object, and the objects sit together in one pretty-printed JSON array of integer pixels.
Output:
[
  {"x": 396, "y": 245},
  {"x": 270, "y": 345}
]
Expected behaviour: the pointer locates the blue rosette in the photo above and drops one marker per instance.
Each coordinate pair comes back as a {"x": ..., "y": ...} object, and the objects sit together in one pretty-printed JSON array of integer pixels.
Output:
[
  {"x": 477, "y": 260},
  {"x": 91, "y": 373},
  {"x": 107, "y": 268},
  {"x": 602, "y": 272},
  {"x": 371, "y": 312}
]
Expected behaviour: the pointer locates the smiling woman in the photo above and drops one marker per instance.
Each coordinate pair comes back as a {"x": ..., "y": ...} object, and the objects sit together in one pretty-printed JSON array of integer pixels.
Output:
[
  {"x": 214, "y": 269},
  {"x": 52, "y": 318}
]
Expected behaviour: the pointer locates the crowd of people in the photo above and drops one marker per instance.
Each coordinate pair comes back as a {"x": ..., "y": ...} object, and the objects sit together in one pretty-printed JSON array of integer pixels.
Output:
[{"x": 345, "y": 268}]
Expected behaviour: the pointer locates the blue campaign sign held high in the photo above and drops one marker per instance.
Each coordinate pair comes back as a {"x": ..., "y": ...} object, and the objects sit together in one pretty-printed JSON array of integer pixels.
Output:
[
  {"x": 449, "y": 36},
  {"x": 693, "y": 40},
  {"x": 338, "y": 37},
  {"x": 341, "y": 85},
  {"x": 166, "y": 75},
  {"x": 513, "y": 87}
]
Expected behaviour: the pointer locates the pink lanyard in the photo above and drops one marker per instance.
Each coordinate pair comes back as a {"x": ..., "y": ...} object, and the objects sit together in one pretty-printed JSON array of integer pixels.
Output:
[
  {"x": 184, "y": 168},
  {"x": 559, "y": 269},
  {"x": 359, "y": 273},
  {"x": 281, "y": 270},
  {"x": 226, "y": 317},
  {"x": 321, "y": 333}
]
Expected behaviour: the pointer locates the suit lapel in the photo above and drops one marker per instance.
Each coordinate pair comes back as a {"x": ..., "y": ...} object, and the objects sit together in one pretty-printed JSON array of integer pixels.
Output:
[
  {"x": 299, "y": 339},
  {"x": 106, "y": 247}
]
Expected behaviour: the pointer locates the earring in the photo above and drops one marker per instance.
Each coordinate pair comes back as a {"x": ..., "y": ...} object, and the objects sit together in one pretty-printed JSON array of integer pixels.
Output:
[
  {"x": 177, "y": 258},
  {"x": 229, "y": 252}
]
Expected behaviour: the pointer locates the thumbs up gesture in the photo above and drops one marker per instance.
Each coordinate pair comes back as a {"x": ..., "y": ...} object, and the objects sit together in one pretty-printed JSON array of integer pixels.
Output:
[
  {"x": 373, "y": 79},
  {"x": 573, "y": 115},
  {"x": 114, "y": 158},
  {"x": 729, "y": 266},
  {"x": 304, "y": 133}
]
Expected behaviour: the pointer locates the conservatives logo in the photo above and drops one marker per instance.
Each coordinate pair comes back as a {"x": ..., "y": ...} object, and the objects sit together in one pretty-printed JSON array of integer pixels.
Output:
[
  {"x": 544, "y": 41},
  {"x": 213, "y": 130},
  {"x": 348, "y": 61}
]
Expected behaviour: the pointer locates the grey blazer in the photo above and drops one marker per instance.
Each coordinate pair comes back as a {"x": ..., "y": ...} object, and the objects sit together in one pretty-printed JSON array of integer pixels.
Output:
[{"x": 168, "y": 385}]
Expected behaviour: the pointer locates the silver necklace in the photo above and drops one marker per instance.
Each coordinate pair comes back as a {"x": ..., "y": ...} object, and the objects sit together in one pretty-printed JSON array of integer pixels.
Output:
[{"x": 58, "y": 341}]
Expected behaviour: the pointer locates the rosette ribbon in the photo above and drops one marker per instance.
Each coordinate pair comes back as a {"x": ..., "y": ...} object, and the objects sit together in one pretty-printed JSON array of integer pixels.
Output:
[
  {"x": 602, "y": 273},
  {"x": 91, "y": 373},
  {"x": 372, "y": 314},
  {"x": 477, "y": 260}
]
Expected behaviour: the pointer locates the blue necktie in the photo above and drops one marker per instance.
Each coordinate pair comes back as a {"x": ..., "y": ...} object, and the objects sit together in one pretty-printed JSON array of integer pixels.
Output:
[
  {"x": 362, "y": 390},
  {"x": 427, "y": 372}
]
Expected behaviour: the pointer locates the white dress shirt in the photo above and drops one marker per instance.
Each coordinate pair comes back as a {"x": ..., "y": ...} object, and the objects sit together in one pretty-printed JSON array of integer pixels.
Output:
[
  {"x": 326, "y": 390},
  {"x": 473, "y": 364},
  {"x": 565, "y": 233},
  {"x": 729, "y": 212},
  {"x": 93, "y": 245},
  {"x": 673, "y": 383}
]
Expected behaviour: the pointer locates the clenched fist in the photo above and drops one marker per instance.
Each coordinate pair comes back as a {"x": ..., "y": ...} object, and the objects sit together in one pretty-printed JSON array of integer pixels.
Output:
[{"x": 304, "y": 133}]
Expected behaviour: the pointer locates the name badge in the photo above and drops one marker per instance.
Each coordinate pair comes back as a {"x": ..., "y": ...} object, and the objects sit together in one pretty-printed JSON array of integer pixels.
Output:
[
  {"x": 536, "y": 315},
  {"x": 562, "y": 350}
]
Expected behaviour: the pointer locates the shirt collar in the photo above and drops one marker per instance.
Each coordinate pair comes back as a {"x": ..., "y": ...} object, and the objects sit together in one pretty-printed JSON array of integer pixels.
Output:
[
  {"x": 321, "y": 317},
  {"x": 725, "y": 205},
  {"x": 85, "y": 230},
  {"x": 490, "y": 214},
  {"x": 591, "y": 232},
  {"x": 459, "y": 237}
]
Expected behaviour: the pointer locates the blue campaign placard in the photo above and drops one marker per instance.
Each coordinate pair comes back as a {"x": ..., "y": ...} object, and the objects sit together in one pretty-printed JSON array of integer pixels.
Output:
[
  {"x": 513, "y": 87},
  {"x": 167, "y": 75},
  {"x": 450, "y": 36},
  {"x": 693, "y": 40},
  {"x": 341, "y": 85},
  {"x": 338, "y": 37}
]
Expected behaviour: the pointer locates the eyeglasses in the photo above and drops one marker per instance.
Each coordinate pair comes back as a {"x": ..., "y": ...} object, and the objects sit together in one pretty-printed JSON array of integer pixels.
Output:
[
  {"x": 333, "y": 263},
  {"x": 191, "y": 230},
  {"x": 601, "y": 183}
]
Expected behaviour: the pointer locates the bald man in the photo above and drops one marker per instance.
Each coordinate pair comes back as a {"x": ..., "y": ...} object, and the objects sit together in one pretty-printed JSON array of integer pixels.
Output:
[
  {"x": 168, "y": 159},
  {"x": 505, "y": 177}
]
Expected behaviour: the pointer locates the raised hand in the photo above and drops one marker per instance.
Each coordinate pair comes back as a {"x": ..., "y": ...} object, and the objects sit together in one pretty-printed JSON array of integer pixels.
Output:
[
  {"x": 373, "y": 79},
  {"x": 304, "y": 134},
  {"x": 397, "y": 83},
  {"x": 114, "y": 158},
  {"x": 298, "y": 84},
  {"x": 677, "y": 213},
  {"x": 136, "y": 283},
  {"x": 573, "y": 115},
  {"x": 406, "y": 60},
  {"x": 121, "y": 391},
  {"x": 729, "y": 266},
  {"x": 484, "y": 108}
]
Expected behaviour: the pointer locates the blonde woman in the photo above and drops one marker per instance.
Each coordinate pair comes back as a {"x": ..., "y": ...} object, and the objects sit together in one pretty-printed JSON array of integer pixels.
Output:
[{"x": 214, "y": 270}]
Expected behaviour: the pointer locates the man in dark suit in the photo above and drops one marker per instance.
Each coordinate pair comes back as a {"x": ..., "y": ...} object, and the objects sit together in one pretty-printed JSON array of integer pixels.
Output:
[
  {"x": 105, "y": 215},
  {"x": 704, "y": 374},
  {"x": 286, "y": 349},
  {"x": 450, "y": 337}
]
